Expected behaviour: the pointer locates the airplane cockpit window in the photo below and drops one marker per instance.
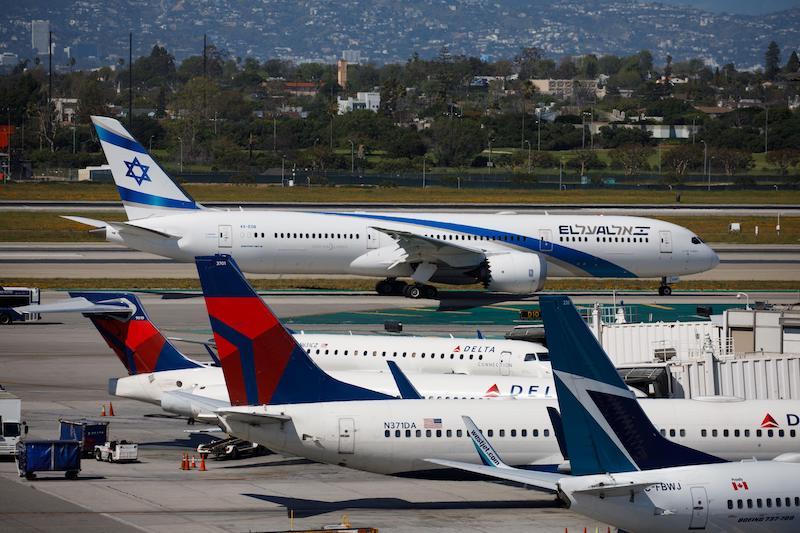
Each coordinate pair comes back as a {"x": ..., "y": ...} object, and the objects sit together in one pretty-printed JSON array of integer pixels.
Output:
[
  {"x": 544, "y": 356},
  {"x": 530, "y": 357},
  {"x": 696, "y": 240}
]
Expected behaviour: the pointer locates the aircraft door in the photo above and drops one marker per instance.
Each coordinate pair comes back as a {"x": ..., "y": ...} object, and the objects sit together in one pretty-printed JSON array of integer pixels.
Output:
[
  {"x": 545, "y": 240},
  {"x": 665, "y": 241},
  {"x": 699, "y": 508},
  {"x": 347, "y": 435},
  {"x": 373, "y": 239},
  {"x": 225, "y": 237},
  {"x": 505, "y": 363}
]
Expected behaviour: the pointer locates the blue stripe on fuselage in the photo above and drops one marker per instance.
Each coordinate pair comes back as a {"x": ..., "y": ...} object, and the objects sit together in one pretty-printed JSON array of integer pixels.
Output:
[{"x": 592, "y": 265}]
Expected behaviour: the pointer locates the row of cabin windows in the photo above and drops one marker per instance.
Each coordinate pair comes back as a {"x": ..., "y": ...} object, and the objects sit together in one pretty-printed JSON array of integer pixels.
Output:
[
  {"x": 732, "y": 432},
  {"x": 395, "y": 354},
  {"x": 352, "y": 236},
  {"x": 604, "y": 239},
  {"x": 448, "y": 433},
  {"x": 498, "y": 237},
  {"x": 760, "y": 503}
]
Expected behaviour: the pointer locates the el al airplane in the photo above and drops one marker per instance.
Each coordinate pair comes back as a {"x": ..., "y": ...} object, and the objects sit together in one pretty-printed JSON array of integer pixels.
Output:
[
  {"x": 624, "y": 472},
  {"x": 281, "y": 399},
  {"x": 505, "y": 252},
  {"x": 440, "y": 367}
]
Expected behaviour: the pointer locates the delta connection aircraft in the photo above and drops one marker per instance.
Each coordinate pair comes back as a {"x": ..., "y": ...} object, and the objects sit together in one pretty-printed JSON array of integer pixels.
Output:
[
  {"x": 627, "y": 474},
  {"x": 281, "y": 399},
  {"x": 506, "y": 252},
  {"x": 440, "y": 367}
]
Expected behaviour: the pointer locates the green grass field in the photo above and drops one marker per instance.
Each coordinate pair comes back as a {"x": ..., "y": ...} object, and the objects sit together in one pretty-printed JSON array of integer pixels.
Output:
[
  {"x": 48, "y": 226},
  {"x": 271, "y": 193}
]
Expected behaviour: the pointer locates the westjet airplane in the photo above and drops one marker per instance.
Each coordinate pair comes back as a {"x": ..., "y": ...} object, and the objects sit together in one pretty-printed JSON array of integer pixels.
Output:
[
  {"x": 440, "y": 367},
  {"x": 623, "y": 471},
  {"x": 505, "y": 252},
  {"x": 281, "y": 399}
]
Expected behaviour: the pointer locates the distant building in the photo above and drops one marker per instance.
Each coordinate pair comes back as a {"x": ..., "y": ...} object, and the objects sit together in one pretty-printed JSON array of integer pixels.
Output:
[
  {"x": 8, "y": 59},
  {"x": 352, "y": 56},
  {"x": 341, "y": 73},
  {"x": 65, "y": 109},
  {"x": 567, "y": 89},
  {"x": 370, "y": 101},
  {"x": 40, "y": 35},
  {"x": 301, "y": 88}
]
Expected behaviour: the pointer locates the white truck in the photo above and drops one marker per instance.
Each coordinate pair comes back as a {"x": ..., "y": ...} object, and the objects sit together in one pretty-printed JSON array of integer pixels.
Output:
[
  {"x": 115, "y": 451},
  {"x": 10, "y": 422}
]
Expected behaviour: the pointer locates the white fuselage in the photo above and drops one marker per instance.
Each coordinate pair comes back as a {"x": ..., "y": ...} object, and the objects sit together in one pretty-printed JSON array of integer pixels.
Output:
[
  {"x": 396, "y": 436},
  {"x": 728, "y": 497},
  {"x": 438, "y": 367},
  {"x": 287, "y": 242}
]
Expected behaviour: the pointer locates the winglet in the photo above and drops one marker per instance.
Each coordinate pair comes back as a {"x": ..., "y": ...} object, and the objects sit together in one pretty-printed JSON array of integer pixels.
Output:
[
  {"x": 261, "y": 361},
  {"x": 605, "y": 428},
  {"x": 404, "y": 385},
  {"x": 486, "y": 452}
]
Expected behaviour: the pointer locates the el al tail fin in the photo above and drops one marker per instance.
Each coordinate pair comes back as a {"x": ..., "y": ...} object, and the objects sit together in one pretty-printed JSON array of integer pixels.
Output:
[
  {"x": 138, "y": 343},
  {"x": 145, "y": 188},
  {"x": 261, "y": 361},
  {"x": 605, "y": 428}
]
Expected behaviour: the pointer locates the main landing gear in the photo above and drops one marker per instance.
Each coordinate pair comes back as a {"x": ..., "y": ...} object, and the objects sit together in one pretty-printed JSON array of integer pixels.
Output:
[
  {"x": 664, "y": 289},
  {"x": 393, "y": 287}
]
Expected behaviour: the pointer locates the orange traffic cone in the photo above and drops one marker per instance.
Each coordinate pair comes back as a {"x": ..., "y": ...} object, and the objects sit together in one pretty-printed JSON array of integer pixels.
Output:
[
  {"x": 193, "y": 464},
  {"x": 110, "y": 409},
  {"x": 185, "y": 462},
  {"x": 202, "y": 462},
  {"x": 103, "y": 411}
]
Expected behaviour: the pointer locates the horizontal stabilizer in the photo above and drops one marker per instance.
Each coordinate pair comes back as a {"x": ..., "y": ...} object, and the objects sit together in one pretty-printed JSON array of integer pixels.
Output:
[
  {"x": 86, "y": 221},
  {"x": 131, "y": 229},
  {"x": 113, "y": 306},
  {"x": 546, "y": 481}
]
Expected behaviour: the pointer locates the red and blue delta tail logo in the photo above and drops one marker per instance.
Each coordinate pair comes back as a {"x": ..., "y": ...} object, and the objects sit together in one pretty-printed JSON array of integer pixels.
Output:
[
  {"x": 261, "y": 361},
  {"x": 138, "y": 343}
]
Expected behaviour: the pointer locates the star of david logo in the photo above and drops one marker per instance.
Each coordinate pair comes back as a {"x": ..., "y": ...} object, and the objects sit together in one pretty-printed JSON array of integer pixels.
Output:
[{"x": 143, "y": 171}]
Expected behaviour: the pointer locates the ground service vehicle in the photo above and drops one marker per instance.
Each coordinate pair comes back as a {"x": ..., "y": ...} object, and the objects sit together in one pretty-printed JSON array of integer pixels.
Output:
[
  {"x": 10, "y": 422},
  {"x": 17, "y": 297},
  {"x": 88, "y": 433},
  {"x": 115, "y": 451}
]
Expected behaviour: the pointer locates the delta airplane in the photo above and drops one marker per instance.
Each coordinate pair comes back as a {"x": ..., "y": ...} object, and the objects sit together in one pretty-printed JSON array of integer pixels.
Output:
[
  {"x": 509, "y": 252},
  {"x": 281, "y": 399},
  {"x": 160, "y": 374},
  {"x": 627, "y": 474}
]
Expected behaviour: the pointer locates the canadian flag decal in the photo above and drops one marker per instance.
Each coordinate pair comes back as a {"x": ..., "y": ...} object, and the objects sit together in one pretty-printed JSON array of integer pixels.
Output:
[
  {"x": 457, "y": 349},
  {"x": 769, "y": 422},
  {"x": 493, "y": 391},
  {"x": 739, "y": 484}
]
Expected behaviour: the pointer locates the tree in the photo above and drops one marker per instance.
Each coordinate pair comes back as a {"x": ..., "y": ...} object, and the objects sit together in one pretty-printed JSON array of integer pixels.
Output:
[
  {"x": 793, "y": 65},
  {"x": 732, "y": 160},
  {"x": 391, "y": 93},
  {"x": 683, "y": 158},
  {"x": 783, "y": 159},
  {"x": 455, "y": 140},
  {"x": 612, "y": 137},
  {"x": 772, "y": 61},
  {"x": 585, "y": 160},
  {"x": 631, "y": 157}
]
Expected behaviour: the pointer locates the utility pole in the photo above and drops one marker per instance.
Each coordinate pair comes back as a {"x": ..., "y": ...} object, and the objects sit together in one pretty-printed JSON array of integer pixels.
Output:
[
  {"x": 766, "y": 126},
  {"x": 7, "y": 173},
  {"x": 529, "y": 155},
  {"x": 705, "y": 160},
  {"x": 274, "y": 132},
  {"x": 353, "y": 158},
  {"x": 50, "y": 81},
  {"x": 538, "y": 130},
  {"x": 205, "y": 73},
  {"x": 522, "y": 142},
  {"x": 130, "y": 80}
]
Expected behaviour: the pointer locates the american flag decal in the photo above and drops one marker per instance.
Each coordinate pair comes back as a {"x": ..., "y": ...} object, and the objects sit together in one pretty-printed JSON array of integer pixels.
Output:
[{"x": 432, "y": 423}]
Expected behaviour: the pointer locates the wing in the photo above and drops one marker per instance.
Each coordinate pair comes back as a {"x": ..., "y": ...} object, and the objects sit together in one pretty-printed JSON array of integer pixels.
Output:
[
  {"x": 545, "y": 481},
  {"x": 418, "y": 248}
]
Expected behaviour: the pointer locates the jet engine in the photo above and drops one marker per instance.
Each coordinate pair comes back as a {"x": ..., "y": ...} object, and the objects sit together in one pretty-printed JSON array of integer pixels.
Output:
[{"x": 514, "y": 272}]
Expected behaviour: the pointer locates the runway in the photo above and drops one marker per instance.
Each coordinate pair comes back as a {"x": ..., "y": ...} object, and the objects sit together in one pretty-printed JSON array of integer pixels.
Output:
[{"x": 106, "y": 260}]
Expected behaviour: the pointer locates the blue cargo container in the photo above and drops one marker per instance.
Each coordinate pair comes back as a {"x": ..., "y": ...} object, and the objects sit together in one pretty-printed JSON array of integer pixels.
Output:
[
  {"x": 87, "y": 432},
  {"x": 49, "y": 456}
]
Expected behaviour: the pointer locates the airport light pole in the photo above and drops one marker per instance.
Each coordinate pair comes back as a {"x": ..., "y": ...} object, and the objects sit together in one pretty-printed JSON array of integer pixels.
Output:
[
  {"x": 529, "y": 155},
  {"x": 283, "y": 170},
  {"x": 538, "y": 130},
  {"x": 352, "y": 156},
  {"x": 180, "y": 140},
  {"x": 705, "y": 161},
  {"x": 739, "y": 295}
]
